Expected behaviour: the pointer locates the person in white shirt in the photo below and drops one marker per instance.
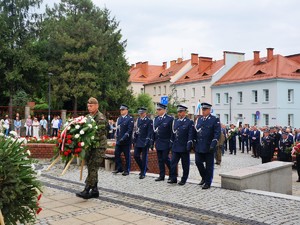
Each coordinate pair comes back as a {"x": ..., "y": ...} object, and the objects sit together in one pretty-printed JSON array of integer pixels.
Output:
[
  {"x": 55, "y": 123},
  {"x": 36, "y": 128},
  {"x": 43, "y": 124},
  {"x": 28, "y": 125}
]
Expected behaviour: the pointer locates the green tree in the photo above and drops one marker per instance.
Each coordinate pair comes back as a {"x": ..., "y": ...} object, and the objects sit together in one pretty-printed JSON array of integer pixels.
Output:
[
  {"x": 85, "y": 53},
  {"x": 144, "y": 100},
  {"x": 20, "y": 68}
]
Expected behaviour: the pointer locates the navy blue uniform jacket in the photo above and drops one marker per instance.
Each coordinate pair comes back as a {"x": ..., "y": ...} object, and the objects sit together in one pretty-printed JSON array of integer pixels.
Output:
[
  {"x": 124, "y": 130},
  {"x": 143, "y": 133},
  {"x": 162, "y": 128},
  {"x": 182, "y": 134}
]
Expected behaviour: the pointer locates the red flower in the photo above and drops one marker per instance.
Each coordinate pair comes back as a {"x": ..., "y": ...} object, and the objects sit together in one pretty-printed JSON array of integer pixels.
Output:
[
  {"x": 69, "y": 141},
  {"x": 59, "y": 141},
  {"x": 69, "y": 136},
  {"x": 39, "y": 210},
  {"x": 66, "y": 153},
  {"x": 79, "y": 144},
  {"x": 39, "y": 197}
]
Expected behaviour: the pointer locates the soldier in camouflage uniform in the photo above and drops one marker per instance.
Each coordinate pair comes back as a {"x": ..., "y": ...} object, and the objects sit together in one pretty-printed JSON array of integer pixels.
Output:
[{"x": 95, "y": 157}]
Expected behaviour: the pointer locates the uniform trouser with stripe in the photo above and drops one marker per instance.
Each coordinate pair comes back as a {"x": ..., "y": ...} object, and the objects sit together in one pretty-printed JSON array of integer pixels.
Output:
[
  {"x": 141, "y": 161},
  {"x": 125, "y": 149},
  {"x": 163, "y": 159},
  {"x": 185, "y": 162},
  {"x": 207, "y": 171}
]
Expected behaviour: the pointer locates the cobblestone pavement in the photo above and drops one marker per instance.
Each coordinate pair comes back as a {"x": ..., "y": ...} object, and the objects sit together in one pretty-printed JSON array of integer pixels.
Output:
[{"x": 188, "y": 204}]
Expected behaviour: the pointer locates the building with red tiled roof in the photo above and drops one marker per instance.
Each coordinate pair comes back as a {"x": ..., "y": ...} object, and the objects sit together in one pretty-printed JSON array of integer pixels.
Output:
[
  {"x": 260, "y": 91},
  {"x": 159, "y": 85},
  {"x": 142, "y": 72},
  {"x": 195, "y": 85}
]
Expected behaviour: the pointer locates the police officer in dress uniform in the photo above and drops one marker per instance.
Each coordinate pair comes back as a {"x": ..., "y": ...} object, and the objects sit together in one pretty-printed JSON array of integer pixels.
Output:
[
  {"x": 284, "y": 143},
  {"x": 162, "y": 127},
  {"x": 142, "y": 139},
  {"x": 95, "y": 157},
  {"x": 182, "y": 141},
  {"x": 267, "y": 147},
  {"x": 208, "y": 131},
  {"x": 123, "y": 140}
]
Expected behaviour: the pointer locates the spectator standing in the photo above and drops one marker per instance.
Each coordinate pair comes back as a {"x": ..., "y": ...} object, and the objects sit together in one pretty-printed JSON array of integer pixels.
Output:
[
  {"x": 36, "y": 128},
  {"x": 6, "y": 125},
  {"x": 28, "y": 125},
  {"x": 43, "y": 124},
  {"x": 59, "y": 122},
  {"x": 17, "y": 125},
  {"x": 54, "y": 123}
]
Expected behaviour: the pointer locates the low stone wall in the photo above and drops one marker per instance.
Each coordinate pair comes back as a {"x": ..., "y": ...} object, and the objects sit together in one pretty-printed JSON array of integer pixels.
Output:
[
  {"x": 152, "y": 161},
  {"x": 41, "y": 151}
]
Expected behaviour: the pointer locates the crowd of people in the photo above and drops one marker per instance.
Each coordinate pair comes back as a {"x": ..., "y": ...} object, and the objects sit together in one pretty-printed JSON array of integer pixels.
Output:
[{"x": 33, "y": 126}]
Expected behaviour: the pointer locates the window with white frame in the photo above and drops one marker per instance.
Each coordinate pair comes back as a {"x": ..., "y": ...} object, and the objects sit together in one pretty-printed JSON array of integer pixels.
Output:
[
  {"x": 194, "y": 109},
  {"x": 266, "y": 95},
  {"x": 240, "y": 97},
  {"x": 154, "y": 91},
  {"x": 218, "y": 98},
  {"x": 203, "y": 91},
  {"x": 142, "y": 90},
  {"x": 291, "y": 120},
  {"x": 266, "y": 119},
  {"x": 254, "y": 96},
  {"x": 184, "y": 93},
  {"x": 226, "y": 98},
  {"x": 254, "y": 119},
  {"x": 193, "y": 92},
  {"x": 226, "y": 118},
  {"x": 290, "y": 95},
  {"x": 159, "y": 90}
]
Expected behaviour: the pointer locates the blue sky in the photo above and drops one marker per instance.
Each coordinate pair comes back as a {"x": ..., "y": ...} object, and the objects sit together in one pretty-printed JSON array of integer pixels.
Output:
[{"x": 163, "y": 30}]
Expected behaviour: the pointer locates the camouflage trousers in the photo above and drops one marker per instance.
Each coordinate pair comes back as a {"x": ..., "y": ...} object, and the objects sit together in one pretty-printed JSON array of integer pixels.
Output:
[
  {"x": 218, "y": 155},
  {"x": 94, "y": 159}
]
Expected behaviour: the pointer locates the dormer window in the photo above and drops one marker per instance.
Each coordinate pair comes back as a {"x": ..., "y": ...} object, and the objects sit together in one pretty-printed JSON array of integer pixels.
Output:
[
  {"x": 187, "y": 77},
  {"x": 297, "y": 71},
  {"x": 259, "y": 72},
  {"x": 204, "y": 74},
  {"x": 142, "y": 76}
]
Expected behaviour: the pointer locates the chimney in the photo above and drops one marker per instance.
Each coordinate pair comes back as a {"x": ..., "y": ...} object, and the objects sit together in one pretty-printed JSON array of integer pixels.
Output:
[
  {"x": 139, "y": 65},
  {"x": 172, "y": 63},
  {"x": 256, "y": 57},
  {"x": 204, "y": 63},
  {"x": 145, "y": 67},
  {"x": 194, "y": 59},
  {"x": 269, "y": 54},
  {"x": 164, "y": 65},
  {"x": 179, "y": 60},
  {"x": 132, "y": 66}
]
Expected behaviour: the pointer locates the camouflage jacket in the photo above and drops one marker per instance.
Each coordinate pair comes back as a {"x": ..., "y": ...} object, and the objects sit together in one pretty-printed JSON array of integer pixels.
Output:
[{"x": 100, "y": 139}]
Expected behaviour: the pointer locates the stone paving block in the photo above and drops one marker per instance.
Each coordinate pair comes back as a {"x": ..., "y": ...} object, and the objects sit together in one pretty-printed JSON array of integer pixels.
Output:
[
  {"x": 91, "y": 217},
  {"x": 66, "y": 209},
  {"x": 68, "y": 221},
  {"x": 53, "y": 204},
  {"x": 110, "y": 221},
  {"x": 112, "y": 212},
  {"x": 130, "y": 217},
  {"x": 47, "y": 213},
  {"x": 150, "y": 221}
]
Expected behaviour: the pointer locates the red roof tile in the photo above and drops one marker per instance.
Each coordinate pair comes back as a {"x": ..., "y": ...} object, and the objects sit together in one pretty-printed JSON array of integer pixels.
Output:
[
  {"x": 168, "y": 73},
  {"x": 143, "y": 72},
  {"x": 247, "y": 71},
  {"x": 194, "y": 74}
]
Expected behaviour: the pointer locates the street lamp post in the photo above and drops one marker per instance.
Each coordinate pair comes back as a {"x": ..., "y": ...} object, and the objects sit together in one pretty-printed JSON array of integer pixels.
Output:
[
  {"x": 230, "y": 99},
  {"x": 49, "y": 104}
]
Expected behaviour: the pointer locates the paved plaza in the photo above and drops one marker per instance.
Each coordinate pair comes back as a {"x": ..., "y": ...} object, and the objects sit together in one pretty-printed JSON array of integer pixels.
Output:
[{"x": 129, "y": 200}]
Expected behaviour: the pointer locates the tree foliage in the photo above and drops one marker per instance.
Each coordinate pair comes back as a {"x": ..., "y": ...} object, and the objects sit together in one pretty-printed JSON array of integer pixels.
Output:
[{"x": 144, "y": 100}]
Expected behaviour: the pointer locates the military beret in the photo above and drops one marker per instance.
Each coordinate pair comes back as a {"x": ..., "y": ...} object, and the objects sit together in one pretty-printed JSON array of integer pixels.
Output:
[
  {"x": 181, "y": 108},
  {"x": 205, "y": 105},
  {"x": 142, "y": 110},
  {"x": 92, "y": 100},
  {"x": 160, "y": 106},
  {"x": 123, "y": 106}
]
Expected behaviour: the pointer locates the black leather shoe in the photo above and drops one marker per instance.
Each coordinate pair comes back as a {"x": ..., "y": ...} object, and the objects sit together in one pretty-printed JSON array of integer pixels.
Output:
[
  {"x": 202, "y": 182},
  {"x": 172, "y": 181},
  {"x": 206, "y": 186},
  {"x": 159, "y": 179},
  {"x": 142, "y": 177},
  {"x": 125, "y": 173},
  {"x": 181, "y": 183},
  {"x": 117, "y": 171},
  {"x": 85, "y": 193}
]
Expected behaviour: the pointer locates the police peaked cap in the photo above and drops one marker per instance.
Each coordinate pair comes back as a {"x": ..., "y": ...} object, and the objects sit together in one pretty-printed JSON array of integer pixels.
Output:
[
  {"x": 142, "y": 110},
  {"x": 123, "y": 106},
  {"x": 181, "y": 108},
  {"x": 160, "y": 106},
  {"x": 205, "y": 105}
]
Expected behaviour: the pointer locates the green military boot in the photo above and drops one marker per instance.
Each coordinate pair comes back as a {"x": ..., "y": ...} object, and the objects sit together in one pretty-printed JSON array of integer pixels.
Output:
[
  {"x": 95, "y": 192},
  {"x": 85, "y": 193}
]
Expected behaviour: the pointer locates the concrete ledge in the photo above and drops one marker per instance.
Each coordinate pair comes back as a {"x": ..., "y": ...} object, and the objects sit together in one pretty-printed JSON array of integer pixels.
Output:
[
  {"x": 273, "y": 177},
  {"x": 272, "y": 194}
]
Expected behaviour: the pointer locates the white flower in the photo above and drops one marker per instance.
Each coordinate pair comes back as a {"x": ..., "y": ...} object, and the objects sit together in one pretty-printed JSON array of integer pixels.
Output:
[
  {"x": 81, "y": 132},
  {"x": 28, "y": 152},
  {"x": 77, "y": 136},
  {"x": 90, "y": 125},
  {"x": 68, "y": 128},
  {"x": 1, "y": 134},
  {"x": 92, "y": 137},
  {"x": 96, "y": 127},
  {"x": 82, "y": 144},
  {"x": 14, "y": 133},
  {"x": 77, "y": 126}
]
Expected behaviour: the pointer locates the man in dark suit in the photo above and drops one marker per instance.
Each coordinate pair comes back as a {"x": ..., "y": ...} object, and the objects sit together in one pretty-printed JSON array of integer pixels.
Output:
[
  {"x": 162, "y": 127},
  {"x": 182, "y": 141},
  {"x": 255, "y": 141},
  {"x": 208, "y": 129},
  {"x": 245, "y": 136},
  {"x": 142, "y": 140},
  {"x": 123, "y": 140}
]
